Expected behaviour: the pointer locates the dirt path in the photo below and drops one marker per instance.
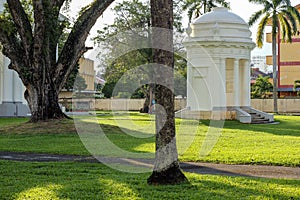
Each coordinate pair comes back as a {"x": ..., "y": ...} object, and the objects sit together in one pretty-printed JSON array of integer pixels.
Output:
[{"x": 199, "y": 168}]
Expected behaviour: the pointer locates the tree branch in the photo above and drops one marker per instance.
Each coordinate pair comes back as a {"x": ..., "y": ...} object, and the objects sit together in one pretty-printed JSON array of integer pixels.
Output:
[
  {"x": 57, "y": 3},
  {"x": 13, "y": 50},
  {"x": 39, "y": 31},
  {"x": 22, "y": 24},
  {"x": 74, "y": 47},
  {"x": 9, "y": 43}
]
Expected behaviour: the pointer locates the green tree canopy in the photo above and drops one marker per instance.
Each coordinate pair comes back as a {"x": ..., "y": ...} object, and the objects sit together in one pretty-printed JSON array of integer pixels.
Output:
[
  {"x": 261, "y": 87},
  {"x": 297, "y": 86},
  {"x": 131, "y": 28},
  {"x": 80, "y": 83}
]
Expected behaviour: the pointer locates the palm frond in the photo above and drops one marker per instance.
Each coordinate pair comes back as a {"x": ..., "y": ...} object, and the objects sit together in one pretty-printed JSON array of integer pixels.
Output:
[
  {"x": 267, "y": 6},
  {"x": 260, "y": 30},
  {"x": 190, "y": 14},
  {"x": 187, "y": 4},
  {"x": 223, "y": 3},
  {"x": 260, "y": 2},
  {"x": 275, "y": 22},
  {"x": 283, "y": 27},
  {"x": 295, "y": 13},
  {"x": 255, "y": 17},
  {"x": 197, "y": 10},
  {"x": 287, "y": 2},
  {"x": 288, "y": 29},
  {"x": 291, "y": 20},
  {"x": 277, "y": 3}
]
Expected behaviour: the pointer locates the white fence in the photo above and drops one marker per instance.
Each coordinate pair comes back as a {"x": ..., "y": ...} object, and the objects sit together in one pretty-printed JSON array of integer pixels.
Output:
[{"x": 265, "y": 105}]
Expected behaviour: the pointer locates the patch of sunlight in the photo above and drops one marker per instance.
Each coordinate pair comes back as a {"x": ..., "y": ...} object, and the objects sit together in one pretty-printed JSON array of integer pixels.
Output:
[
  {"x": 115, "y": 190},
  {"x": 89, "y": 120},
  {"x": 46, "y": 192},
  {"x": 146, "y": 147}
]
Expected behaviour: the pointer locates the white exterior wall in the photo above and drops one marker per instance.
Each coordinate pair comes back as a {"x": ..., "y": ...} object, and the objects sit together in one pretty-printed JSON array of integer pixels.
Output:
[
  {"x": 206, "y": 88},
  {"x": 218, "y": 53},
  {"x": 11, "y": 86},
  {"x": 12, "y": 101}
]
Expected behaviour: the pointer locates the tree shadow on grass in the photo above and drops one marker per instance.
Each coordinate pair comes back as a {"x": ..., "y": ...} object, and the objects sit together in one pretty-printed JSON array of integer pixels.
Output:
[
  {"x": 103, "y": 139},
  {"x": 20, "y": 126},
  {"x": 95, "y": 181}
]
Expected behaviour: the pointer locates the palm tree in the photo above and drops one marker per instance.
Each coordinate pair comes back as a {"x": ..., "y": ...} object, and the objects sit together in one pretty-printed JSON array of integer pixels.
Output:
[
  {"x": 284, "y": 19},
  {"x": 199, "y": 7}
]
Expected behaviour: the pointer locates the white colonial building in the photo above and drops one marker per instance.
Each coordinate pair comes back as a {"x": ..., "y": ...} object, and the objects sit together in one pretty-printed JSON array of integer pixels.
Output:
[
  {"x": 12, "y": 101},
  {"x": 219, "y": 49}
]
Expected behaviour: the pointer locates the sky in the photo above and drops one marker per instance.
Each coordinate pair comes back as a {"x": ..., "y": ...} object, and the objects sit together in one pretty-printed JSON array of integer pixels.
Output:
[{"x": 240, "y": 7}]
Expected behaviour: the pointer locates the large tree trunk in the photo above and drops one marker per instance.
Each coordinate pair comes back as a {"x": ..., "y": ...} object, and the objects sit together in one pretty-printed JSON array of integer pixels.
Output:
[
  {"x": 166, "y": 167},
  {"x": 32, "y": 50},
  {"x": 275, "y": 87},
  {"x": 43, "y": 103}
]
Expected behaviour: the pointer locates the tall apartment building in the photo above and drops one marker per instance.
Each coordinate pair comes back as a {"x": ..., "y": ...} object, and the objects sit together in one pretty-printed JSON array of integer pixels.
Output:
[{"x": 258, "y": 61}]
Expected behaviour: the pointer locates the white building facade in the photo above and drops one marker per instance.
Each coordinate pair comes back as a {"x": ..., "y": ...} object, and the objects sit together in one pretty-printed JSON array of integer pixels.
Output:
[
  {"x": 219, "y": 49},
  {"x": 12, "y": 101}
]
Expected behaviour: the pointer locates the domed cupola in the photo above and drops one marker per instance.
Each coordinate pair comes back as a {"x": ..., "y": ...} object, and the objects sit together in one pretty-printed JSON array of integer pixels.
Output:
[{"x": 220, "y": 25}]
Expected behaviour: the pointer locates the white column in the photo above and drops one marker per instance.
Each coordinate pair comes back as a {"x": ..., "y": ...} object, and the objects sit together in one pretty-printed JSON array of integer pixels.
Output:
[
  {"x": 18, "y": 88},
  {"x": 236, "y": 83},
  {"x": 190, "y": 94},
  {"x": 222, "y": 89},
  {"x": 246, "y": 84},
  {"x": 7, "y": 82}
]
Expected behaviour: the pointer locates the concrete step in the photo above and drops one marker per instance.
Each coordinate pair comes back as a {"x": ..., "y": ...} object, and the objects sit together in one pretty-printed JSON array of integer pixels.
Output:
[
  {"x": 258, "y": 119},
  {"x": 260, "y": 122}
]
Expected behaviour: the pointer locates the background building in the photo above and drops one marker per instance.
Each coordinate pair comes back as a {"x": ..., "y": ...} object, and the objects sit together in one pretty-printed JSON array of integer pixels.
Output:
[
  {"x": 288, "y": 63},
  {"x": 259, "y": 61},
  {"x": 87, "y": 72}
]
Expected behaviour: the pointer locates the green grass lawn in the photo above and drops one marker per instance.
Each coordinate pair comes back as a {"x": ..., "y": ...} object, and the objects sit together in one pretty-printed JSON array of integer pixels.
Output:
[
  {"x": 22, "y": 181},
  {"x": 238, "y": 144}
]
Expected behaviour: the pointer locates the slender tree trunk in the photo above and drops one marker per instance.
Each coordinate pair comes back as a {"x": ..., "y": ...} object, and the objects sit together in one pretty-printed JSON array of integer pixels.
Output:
[
  {"x": 275, "y": 88},
  {"x": 166, "y": 167},
  {"x": 150, "y": 98}
]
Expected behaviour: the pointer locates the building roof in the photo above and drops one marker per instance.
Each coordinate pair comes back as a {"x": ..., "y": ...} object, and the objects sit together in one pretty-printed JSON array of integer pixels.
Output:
[
  {"x": 99, "y": 80},
  {"x": 220, "y": 25},
  {"x": 289, "y": 89},
  {"x": 255, "y": 72},
  {"x": 220, "y": 15}
]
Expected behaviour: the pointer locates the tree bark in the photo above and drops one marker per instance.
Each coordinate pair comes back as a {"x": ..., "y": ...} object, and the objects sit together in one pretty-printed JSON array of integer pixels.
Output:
[
  {"x": 43, "y": 103},
  {"x": 166, "y": 167},
  {"x": 275, "y": 87},
  {"x": 32, "y": 50}
]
